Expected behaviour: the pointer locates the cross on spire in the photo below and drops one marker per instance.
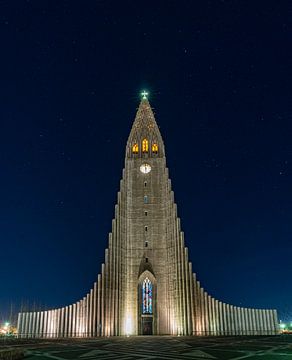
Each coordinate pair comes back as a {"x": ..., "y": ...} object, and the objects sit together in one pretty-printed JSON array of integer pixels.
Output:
[{"x": 144, "y": 94}]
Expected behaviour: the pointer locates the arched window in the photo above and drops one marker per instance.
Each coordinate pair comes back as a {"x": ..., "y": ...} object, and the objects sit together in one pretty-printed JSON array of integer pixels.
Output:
[
  {"x": 155, "y": 148},
  {"x": 144, "y": 145},
  {"x": 135, "y": 149},
  {"x": 147, "y": 296}
]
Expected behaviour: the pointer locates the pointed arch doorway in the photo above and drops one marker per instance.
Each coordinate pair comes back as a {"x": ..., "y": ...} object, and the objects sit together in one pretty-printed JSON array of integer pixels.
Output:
[{"x": 147, "y": 304}]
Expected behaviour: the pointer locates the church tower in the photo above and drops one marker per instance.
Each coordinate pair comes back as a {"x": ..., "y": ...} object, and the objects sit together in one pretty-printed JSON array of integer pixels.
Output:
[
  {"x": 146, "y": 285},
  {"x": 154, "y": 252}
]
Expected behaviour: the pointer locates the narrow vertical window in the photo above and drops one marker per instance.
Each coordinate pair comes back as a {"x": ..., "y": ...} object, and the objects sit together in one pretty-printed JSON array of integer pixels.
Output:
[
  {"x": 145, "y": 183},
  {"x": 155, "y": 148},
  {"x": 145, "y": 199},
  {"x": 144, "y": 145},
  {"x": 147, "y": 296},
  {"x": 145, "y": 213},
  {"x": 146, "y": 228},
  {"x": 135, "y": 149},
  {"x": 146, "y": 243}
]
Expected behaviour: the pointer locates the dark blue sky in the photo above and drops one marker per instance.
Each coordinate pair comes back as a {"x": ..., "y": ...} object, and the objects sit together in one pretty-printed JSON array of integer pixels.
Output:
[{"x": 219, "y": 75}]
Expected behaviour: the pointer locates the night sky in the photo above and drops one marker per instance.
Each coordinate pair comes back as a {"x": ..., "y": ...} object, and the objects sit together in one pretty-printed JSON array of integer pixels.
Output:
[{"x": 219, "y": 77}]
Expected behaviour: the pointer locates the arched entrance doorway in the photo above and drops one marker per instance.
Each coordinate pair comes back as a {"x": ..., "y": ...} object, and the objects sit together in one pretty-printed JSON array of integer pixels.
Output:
[{"x": 147, "y": 304}]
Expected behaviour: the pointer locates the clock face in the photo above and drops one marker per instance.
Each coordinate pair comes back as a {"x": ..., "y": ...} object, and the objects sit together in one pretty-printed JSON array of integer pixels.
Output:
[{"x": 145, "y": 168}]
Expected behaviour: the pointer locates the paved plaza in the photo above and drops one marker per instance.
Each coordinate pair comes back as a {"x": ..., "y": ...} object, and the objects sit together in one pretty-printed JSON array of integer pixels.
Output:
[{"x": 160, "y": 347}]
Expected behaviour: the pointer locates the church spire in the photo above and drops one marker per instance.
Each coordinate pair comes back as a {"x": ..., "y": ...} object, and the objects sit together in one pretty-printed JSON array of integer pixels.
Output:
[{"x": 145, "y": 139}]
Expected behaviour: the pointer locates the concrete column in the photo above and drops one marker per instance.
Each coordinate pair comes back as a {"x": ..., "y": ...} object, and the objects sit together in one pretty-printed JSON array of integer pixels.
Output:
[
  {"x": 220, "y": 318},
  {"x": 236, "y": 321},
  {"x": 213, "y": 312},
  {"x": 33, "y": 325},
  {"x": 275, "y": 321},
  {"x": 198, "y": 310},
  {"x": 207, "y": 319},
  {"x": 20, "y": 325},
  {"x": 231, "y": 317},
  {"x": 66, "y": 318},
  {"x": 61, "y": 322},
  {"x": 260, "y": 322},
  {"x": 246, "y": 321},
  {"x": 242, "y": 321},
  {"x": 30, "y": 324},
  {"x": 19, "y": 318},
  {"x": 224, "y": 320},
  {"x": 70, "y": 321},
  {"x": 88, "y": 313},
  {"x": 210, "y": 315},
  {"x": 228, "y": 318},
  {"x": 102, "y": 300},
  {"x": 217, "y": 318},
  {"x": 203, "y": 311},
  {"x": 265, "y": 322},
  {"x": 78, "y": 311},
  {"x": 192, "y": 300},
  {"x": 253, "y": 321},
  {"x": 24, "y": 326},
  {"x": 54, "y": 322},
  {"x": 37, "y": 325},
  {"x": 90, "y": 329},
  {"x": 49, "y": 331},
  {"x": 74, "y": 320},
  {"x": 190, "y": 303},
  {"x": 45, "y": 324},
  {"x": 97, "y": 306}
]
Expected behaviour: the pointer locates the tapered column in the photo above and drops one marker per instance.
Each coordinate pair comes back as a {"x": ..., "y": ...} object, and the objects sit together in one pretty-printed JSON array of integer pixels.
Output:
[
  {"x": 19, "y": 318},
  {"x": 98, "y": 291},
  {"x": 102, "y": 299},
  {"x": 37, "y": 325},
  {"x": 231, "y": 319},
  {"x": 20, "y": 325},
  {"x": 90, "y": 313},
  {"x": 96, "y": 308},
  {"x": 213, "y": 316},
  {"x": 265, "y": 322},
  {"x": 65, "y": 321},
  {"x": 228, "y": 316},
  {"x": 225, "y": 321},
  {"x": 261, "y": 321},
  {"x": 33, "y": 324},
  {"x": 276, "y": 322},
  {"x": 74, "y": 320},
  {"x": 70, "y": 320},
  {"x": 221, "y": 317},
  {"x": 45, "y": 324},
  {"x": 203, "y": 312},
  {"x": 192, "y": 283},
  {"x": 210, "y": 315},
  {"x": 207, "y": 319}
]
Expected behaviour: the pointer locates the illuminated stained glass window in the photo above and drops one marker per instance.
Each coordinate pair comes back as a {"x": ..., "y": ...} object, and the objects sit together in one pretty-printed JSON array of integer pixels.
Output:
[
  {"x": 144, "y": 145},
  {"x": 147, "y": 296},
  {"x": 135, "y": 149},
  {"x": 155, "y": 148}
]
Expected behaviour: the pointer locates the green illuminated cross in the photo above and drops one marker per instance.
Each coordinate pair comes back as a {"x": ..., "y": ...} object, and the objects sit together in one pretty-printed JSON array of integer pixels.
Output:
[{"x": 144, "y": 94}]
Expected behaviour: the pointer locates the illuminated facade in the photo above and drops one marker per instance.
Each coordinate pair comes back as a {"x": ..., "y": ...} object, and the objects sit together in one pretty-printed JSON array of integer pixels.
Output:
[{"x": 146, "y": 285}]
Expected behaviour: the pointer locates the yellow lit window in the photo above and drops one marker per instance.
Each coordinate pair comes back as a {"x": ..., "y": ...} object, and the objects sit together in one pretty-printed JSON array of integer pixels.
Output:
[
  {"x": 155, "y": 148},
  {"x": 135, "y": 149},
  {"x": 144, "y": 145}
]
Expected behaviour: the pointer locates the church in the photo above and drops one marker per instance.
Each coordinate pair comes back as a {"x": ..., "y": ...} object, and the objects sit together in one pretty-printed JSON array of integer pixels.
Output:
[{"x": 146, "y": 285}]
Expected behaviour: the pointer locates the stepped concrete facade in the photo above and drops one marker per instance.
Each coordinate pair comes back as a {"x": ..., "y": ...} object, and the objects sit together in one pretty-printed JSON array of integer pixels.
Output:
[{"x": 147, "y": 285}]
